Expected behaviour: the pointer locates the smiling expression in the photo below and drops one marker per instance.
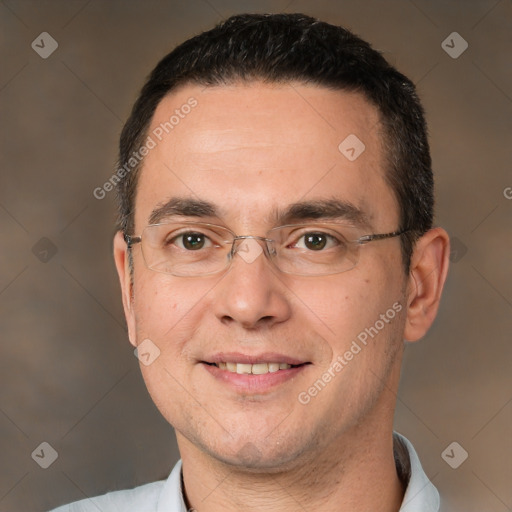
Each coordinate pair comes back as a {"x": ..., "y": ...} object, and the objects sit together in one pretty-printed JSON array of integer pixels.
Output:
[{"x": 238, "y": 347}]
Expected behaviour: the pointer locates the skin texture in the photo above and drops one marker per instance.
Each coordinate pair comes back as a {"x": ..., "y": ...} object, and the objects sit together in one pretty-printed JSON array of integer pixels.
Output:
[{"x": 250, "y": 148}]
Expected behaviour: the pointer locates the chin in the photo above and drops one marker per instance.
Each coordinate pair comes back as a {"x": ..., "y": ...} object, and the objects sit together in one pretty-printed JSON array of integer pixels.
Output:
[{"x": 261, "y": 456}]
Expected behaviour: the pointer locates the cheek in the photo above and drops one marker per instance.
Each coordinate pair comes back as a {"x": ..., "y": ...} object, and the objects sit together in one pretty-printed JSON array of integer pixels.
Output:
[
  {"x": 338, "y": 304},
  {"x": 167, "y": 308},
  {"x": 168, "y": 312},
  {"x": 343, "y": 306}
]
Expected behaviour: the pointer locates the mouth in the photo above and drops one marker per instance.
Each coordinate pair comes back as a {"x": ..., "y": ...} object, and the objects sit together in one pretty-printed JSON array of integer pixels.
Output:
[
  {"x": 255, "y": 368},
  {"x": 259, "y": 374}
]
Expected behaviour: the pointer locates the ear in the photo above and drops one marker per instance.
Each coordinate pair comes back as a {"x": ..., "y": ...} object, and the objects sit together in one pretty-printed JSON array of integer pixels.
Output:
[
  {"x": 429, "y": 267},
  {"x": 123, "y": 271}
]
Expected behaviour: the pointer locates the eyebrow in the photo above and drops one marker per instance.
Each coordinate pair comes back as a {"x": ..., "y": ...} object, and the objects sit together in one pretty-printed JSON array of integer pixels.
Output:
[
  {"x": 322, "y": 209},
  {"x": 319, "y": 209},
  {"x": 183, "y": 207}
]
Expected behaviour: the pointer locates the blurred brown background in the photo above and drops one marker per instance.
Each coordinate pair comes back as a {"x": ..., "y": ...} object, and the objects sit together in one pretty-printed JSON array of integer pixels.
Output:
[{"x": 68, "y": 373}]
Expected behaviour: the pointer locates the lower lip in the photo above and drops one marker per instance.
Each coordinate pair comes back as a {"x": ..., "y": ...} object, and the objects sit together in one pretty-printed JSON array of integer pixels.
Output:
[{"x": 248, "y": 382}]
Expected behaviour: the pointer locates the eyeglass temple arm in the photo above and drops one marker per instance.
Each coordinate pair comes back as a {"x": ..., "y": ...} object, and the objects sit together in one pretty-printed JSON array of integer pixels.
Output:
[
  {"x": 380, "y": 236},
  {"x": 130, "y": 240}
]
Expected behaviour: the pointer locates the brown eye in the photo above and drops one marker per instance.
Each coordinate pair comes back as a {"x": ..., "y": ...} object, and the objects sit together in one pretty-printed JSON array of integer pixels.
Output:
[
  {"x": 315, "y": 241},
  {"x": 190, "y": 241}
]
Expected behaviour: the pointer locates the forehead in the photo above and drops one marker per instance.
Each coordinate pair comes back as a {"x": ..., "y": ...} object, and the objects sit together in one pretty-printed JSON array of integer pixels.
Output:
[{"x": 254, "y": 148}]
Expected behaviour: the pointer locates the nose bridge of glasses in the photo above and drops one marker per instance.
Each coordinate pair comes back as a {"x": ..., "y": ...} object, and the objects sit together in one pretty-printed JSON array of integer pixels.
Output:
[{"x": 249, "y": 247}]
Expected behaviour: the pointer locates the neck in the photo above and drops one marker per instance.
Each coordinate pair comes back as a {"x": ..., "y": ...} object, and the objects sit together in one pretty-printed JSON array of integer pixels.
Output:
[{"x": 356, "y": 473}]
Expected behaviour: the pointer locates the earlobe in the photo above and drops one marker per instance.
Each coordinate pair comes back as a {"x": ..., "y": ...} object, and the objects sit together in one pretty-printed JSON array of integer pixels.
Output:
[
  {"x": 123, "y": 272},
  {"x": 428, "y": 271}
]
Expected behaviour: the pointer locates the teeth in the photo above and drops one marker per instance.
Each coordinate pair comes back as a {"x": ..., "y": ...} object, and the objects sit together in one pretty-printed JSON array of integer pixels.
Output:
[
  {"x": 273, "y": 367},
  {"x": 260, "y": 368},
  {"x": 255, "y": 369},
  {"x": 243, "y": 368}
]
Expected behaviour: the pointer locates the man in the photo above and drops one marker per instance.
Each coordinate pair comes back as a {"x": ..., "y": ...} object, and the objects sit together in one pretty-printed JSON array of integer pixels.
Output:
[{"x": 275, "y": 249}]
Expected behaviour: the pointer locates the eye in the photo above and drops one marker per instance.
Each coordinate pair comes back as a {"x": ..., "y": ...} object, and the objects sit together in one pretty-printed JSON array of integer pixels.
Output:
[
  {"x": 316, "y": 241},
  {"x": 190, "y": 241}
]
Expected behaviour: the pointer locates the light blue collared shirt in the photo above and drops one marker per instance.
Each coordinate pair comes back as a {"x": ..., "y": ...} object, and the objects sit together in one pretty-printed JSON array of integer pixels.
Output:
[{"x": 167, "y": 495}]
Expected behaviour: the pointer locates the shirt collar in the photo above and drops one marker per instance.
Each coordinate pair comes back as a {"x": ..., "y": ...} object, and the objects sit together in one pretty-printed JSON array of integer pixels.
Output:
[
  {"x": 420, "y": 494},
  {"x": 171, "y": 497}
]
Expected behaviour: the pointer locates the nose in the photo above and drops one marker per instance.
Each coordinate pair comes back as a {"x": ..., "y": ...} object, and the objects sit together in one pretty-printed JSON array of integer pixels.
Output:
[{"x": 251, "y": 294}]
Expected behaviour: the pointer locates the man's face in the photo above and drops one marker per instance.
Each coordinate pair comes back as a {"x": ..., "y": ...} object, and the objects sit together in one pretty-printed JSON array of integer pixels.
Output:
[{"x": 252, "y": 150}]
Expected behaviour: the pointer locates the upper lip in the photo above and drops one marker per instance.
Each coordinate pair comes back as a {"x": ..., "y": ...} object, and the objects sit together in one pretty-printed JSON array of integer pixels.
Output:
[{"x": 266, "y": 357}]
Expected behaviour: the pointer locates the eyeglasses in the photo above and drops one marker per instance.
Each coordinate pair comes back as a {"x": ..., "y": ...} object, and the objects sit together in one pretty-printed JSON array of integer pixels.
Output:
[{"x": 191, "y": 249}]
